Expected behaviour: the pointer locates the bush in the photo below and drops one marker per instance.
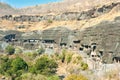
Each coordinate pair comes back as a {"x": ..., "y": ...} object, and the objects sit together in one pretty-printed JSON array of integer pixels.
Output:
[
  {"x": 5, "y": 65},
  {"x": 13, "y": 68},
  {"x": 54, "y": 77},
  {"x": 19, "y": 64},
  {"x": 84, "y": 66},
  {"x": 50, "y": 21},
  {"x": 32, "y": 69},
  {"x": 76, "y": 59},
  {"x": 68, "y": 57},
  {"x": 75, "y": 77},
  {"x": 30, "y": 76},
  {"x": 46, "y": 66},
  {"x": 10, "y": 49}
]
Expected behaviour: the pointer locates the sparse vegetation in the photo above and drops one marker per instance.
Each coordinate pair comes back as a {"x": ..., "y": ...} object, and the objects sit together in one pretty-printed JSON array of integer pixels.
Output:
[
  {"x": 42, "y": 67},
  {"x": 62, "y": 56},
  {"x": 69, "y": 57},
  {"x": 10, "y": 49},
  {"x": 75, "y": 77},
  {"x": 50, "y": 21},
  {"x": 84, "y": 66},
  {"x": 73, "y": 21}
]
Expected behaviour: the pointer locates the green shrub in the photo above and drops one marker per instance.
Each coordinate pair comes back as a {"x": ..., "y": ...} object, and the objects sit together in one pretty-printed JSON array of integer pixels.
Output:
[
  {"x": 76, "y": 59},
  {"x": 50, "y": 21},
  {"x": 46, "y": 66},
  {"x": 68, "y": 57},
  {"x": 32, "y": 69},
  {"x": 19, "y": 64},
  {"x": 54, "y": 77},
  {"x": 12, "y": 67},
  {"x": 84, "y": 66},
  {"x": 5, "y": 65},
  {"x": 30, "y": 76},
  {"x": 10, "y": 49}
]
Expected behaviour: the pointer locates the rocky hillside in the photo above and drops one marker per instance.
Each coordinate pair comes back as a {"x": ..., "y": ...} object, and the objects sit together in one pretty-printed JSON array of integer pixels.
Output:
[
  {"x": 72, "y": 20},
  {"x": 66, "y": 6},
  {"x": 6, "y": 9},
  {"x": 55, "y": 8},
  {"x": 98, "y": 24}
]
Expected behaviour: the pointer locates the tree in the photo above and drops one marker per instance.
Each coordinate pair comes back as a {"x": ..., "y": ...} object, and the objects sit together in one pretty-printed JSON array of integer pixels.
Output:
[
  {"x": 5, "y": 65},
  {"x": 19, "y": 64},
  {"x": 13, "y": 68},
  {"x": 46, "y": 66},
  {"x": 10, "y": 49}
]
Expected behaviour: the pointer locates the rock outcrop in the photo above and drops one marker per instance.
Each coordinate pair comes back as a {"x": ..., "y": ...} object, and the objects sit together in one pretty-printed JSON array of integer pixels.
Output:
[{"x": 92, "y": 13}]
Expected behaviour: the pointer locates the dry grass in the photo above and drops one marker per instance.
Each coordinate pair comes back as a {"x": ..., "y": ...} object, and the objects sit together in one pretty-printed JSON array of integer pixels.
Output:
[{"x": 69, "y": 24}]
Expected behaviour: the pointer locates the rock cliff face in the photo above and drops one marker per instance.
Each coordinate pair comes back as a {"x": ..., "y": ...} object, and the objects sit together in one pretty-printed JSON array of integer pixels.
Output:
[
  {"x": 66, "y": 6},
  {"x": 105, "y": 35},
  {"x": 92, "y": 13}
]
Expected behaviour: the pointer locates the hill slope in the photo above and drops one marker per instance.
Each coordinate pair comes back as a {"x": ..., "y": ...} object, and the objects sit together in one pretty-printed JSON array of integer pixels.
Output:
[
  {"x": 56, "y": 7},
  {"x": 66, "y": 6},
  {"x": 6, "y": 9}
]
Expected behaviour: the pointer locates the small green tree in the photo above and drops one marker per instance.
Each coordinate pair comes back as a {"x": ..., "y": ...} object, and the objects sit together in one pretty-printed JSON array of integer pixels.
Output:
[
  {"x": 19, "y": 64},
  {"x": 13, "y": 68},
  {"x": 10, "y": 49},
  {"x": 5, "y": 65},
  {"x": 46, "y": 66}
]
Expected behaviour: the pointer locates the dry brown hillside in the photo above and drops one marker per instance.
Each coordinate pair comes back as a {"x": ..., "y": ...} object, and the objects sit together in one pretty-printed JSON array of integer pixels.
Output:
[
  {"x": 66, "y": 6},
  {"x": 59, "y": 7},
  {"x": 6, "y": 9},
  {"x": 56, "y": 7}
]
